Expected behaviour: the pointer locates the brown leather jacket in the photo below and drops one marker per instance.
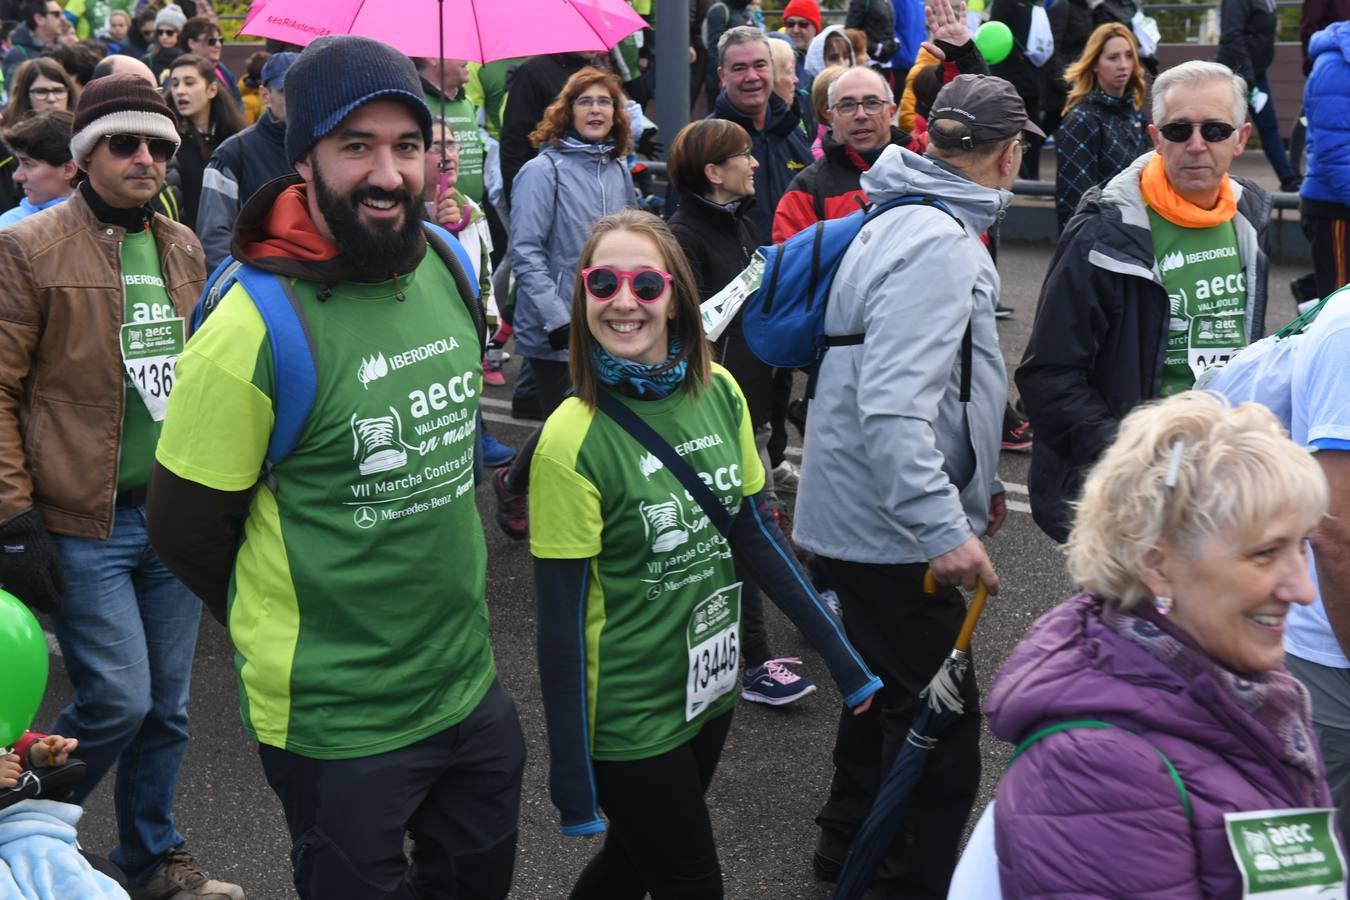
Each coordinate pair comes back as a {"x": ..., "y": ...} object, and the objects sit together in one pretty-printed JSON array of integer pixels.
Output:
[{"x": 61, "y": 382}]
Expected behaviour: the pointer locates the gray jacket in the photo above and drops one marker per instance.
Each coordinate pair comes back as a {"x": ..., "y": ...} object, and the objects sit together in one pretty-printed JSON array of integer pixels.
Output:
[
  {"x": 556, "y": 198},
  {"x": 895, "y": 468}
]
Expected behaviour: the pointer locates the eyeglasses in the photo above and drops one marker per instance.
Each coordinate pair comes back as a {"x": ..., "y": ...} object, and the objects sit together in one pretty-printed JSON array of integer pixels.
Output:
[
  {"x": 647, "y": 285},
  {"x": 210, "y": 41},
  {"x": 54, "y": 13},
  {"x": 600, "y": 102},
  {"x": 870, "y": 106},
  {"x": 1211, "y": 132},
  {"x": 748, "y": 154},
  {"x": 47, "y": 93},
  {"x": 165, "y": 32},
  {"x": 125, "y": 146},
  {"x": 793, "y": 24}
]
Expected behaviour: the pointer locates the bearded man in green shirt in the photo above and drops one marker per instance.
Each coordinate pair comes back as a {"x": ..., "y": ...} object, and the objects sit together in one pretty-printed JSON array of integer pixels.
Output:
[{"x": 355, "y": 589}]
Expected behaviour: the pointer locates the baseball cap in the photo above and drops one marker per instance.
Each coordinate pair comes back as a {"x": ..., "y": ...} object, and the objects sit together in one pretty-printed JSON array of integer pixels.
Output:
[
  {"x": 274, "y": 70},
  {"x": 988, "y": 108}
]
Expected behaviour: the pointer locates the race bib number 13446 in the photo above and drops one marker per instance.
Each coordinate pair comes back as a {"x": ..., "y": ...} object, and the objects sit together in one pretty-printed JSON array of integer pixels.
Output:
[{"x": 714, "y": 651}]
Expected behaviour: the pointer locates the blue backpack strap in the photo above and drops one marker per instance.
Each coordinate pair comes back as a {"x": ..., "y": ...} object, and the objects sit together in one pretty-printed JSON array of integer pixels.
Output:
[
  {"x": 218, "y": 284},
  {"x": 296, "y": 374}
]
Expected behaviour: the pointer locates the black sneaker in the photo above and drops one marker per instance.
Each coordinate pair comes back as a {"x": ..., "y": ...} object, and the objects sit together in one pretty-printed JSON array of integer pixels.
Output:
[
  {"x": 1018, "y": 435},
  {"x": 1002, "y": 312}
]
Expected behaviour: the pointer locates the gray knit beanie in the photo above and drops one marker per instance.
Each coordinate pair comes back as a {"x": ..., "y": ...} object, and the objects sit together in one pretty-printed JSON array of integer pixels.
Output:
[
  {"x": 171, "y": 16},
  {"x": 336, "y": 75}
]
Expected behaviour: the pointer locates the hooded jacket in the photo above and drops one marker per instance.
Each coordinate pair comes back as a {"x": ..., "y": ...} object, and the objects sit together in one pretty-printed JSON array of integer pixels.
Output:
[
  {"x": 814, "y": 62},
  {"x": 1326, "y": 186},
  {"x": 876, "y": 18},
  {"x": 829, "y": 188},
  {"x": 1100, "y": 335},
  {"x": 1093, "y": 813},
  {"x": 782, "y": 148},
  {"x": 241, "y": 165},
  {"x": 558, "y": 196},
  {"x": 23, "y": 45},
  {"x": 1247, "y": 37},
  {"x": 895, "y": 468},
  {"x": 1099, "y": 137}
]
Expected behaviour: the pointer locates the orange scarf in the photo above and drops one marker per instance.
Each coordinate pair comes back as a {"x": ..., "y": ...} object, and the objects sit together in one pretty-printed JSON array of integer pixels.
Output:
[{"x": 1166, "y": 202}]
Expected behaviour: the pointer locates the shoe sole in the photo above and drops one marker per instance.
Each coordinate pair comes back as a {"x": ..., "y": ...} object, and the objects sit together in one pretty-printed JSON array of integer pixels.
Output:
[
  {"x": 501, "y": 463},
  {"x": 754, "y": 697}
]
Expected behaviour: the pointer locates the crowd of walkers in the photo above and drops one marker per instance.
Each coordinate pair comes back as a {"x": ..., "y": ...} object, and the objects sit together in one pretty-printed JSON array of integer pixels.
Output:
[{"x": 230, "y": 378}]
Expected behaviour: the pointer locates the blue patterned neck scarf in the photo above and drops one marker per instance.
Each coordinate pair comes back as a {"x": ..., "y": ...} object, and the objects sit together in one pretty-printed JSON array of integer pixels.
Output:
[{"x": 637, "y": 379}]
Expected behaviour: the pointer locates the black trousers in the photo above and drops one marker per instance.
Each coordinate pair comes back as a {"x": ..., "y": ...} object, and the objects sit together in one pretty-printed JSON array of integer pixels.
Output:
[
  {"x": 660, "y": 839},
  {"x": 554, "y": 382},
  {"x": 903, "y": 635},
  {"x": 456, "y": 793},
  {"x": 1330, "y": 239}
]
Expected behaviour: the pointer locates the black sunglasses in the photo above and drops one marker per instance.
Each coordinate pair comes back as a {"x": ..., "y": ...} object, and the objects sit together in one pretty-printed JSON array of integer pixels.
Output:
[
  {"x": 210, "y": 42},
  {"x": 1210, "y": 132},
  {"x": 124, "y": 146},
  {"x": 164, "y": 31}
]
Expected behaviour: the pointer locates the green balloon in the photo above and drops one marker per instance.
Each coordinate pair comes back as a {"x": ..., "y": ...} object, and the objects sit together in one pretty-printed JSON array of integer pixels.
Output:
[
  {"x": 23, "y": 647},
  {"x": 995, "y": 41}
]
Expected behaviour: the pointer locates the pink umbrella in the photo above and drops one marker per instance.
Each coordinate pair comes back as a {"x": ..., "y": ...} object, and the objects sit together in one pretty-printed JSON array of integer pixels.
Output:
[{"x": 478, "y": 30}]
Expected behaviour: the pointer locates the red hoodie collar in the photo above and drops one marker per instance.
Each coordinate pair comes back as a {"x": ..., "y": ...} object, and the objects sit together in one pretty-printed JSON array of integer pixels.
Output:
[{"x": 289, "y": 232}]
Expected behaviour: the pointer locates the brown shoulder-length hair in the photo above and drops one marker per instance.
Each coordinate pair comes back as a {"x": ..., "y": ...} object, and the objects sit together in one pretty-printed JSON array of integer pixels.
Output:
[
  {"x": 698, "y": 144},
  {"x": 687, "y": 323},
  {"x": 28, "y": 72},
  {"x": 558, "y": 117},
  {"x": 1081, "y": 78},
  {"x": 226, "y": 119}
]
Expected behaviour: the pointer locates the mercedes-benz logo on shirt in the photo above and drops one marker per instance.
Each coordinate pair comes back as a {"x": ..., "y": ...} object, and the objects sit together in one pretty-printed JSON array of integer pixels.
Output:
[{"x": 364, "y": 517}]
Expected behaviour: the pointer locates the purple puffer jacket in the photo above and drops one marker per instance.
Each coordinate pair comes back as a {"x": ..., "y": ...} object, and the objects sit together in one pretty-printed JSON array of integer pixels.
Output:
[{"x": 1093, "y": 812}]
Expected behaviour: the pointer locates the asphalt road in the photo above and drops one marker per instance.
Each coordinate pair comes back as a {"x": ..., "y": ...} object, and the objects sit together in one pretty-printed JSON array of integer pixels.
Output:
[{"x": 776, "y": 767}]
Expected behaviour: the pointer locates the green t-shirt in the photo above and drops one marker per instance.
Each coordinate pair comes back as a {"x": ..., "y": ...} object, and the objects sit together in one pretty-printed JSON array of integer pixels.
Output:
[
  {"x": 356, "y": 605},
  {"x": 1207, "y": 292},
  {"x": 149, "y": 353},
  {"x": 463, "y": 118},
  {"x": 662, "y": 602},
  {"x": 487, "y": 90}
]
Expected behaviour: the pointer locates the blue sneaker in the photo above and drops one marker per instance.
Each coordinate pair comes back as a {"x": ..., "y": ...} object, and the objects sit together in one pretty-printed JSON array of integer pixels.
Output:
[
  {"x": 495, "y": 453},
  {"x": 774, "y": 683}
]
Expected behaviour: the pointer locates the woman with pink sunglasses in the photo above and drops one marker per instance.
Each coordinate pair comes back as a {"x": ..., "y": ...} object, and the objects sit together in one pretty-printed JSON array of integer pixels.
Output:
[{"x": 638, "y": 600}]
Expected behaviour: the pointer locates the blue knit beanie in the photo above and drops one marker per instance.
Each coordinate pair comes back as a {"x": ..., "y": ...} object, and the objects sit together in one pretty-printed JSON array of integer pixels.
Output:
[{"x": 336, "y": 75}]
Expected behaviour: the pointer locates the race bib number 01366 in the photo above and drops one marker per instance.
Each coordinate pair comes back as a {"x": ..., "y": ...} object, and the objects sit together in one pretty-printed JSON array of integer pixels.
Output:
[
  {"x": 1287, "y": 853},
  {"x": 150, "y": 351},
  {"x": 714, "y": 651}
]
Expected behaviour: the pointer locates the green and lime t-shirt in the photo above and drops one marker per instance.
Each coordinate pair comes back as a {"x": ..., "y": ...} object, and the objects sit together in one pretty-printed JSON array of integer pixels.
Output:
[
  {"x": 151, "y": 340},
  {"x": 1207, "y": 293},
  {"x": 356, "y": 605},
  {"x": 463, "y": 119},
  {"x": 662, "y": 608}
]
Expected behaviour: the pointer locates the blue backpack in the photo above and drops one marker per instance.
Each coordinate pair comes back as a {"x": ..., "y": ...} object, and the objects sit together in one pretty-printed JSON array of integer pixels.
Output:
[
  {"x": 784, "y": 319},
  {"x": 293, "y": 359}
]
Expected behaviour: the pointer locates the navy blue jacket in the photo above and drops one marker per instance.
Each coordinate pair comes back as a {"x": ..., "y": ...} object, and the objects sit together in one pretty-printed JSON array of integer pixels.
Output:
[
  {"x": 242, "y": 163},
  {"x": 782, "y": 149}
]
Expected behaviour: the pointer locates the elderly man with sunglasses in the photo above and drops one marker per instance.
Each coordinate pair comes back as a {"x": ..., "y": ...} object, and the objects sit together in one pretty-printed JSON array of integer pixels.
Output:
[
  {"x": 96, "y": 293},
  {"x": 1159, "y": 275}
]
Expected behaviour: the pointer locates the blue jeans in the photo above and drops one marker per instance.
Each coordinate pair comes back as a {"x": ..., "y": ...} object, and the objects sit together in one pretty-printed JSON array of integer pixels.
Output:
[
  {"x": 1268, "y": 126},
  {"x": 128, "y": 631}
]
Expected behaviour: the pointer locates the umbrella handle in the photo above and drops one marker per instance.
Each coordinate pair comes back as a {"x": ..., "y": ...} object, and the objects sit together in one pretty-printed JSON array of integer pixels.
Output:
[{"x": 967, "y": 631}]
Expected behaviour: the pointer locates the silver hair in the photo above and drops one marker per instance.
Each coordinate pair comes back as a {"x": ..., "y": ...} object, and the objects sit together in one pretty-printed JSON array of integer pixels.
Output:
[
  {"x": 1193, "y": 74},
  {"x": 829, "y": 93},
  {"x": 741, "y": 34}
]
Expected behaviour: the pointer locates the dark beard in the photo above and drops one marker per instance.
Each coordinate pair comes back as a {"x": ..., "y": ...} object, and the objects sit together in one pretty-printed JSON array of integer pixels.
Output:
[{"x": 372, "y": 253}]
